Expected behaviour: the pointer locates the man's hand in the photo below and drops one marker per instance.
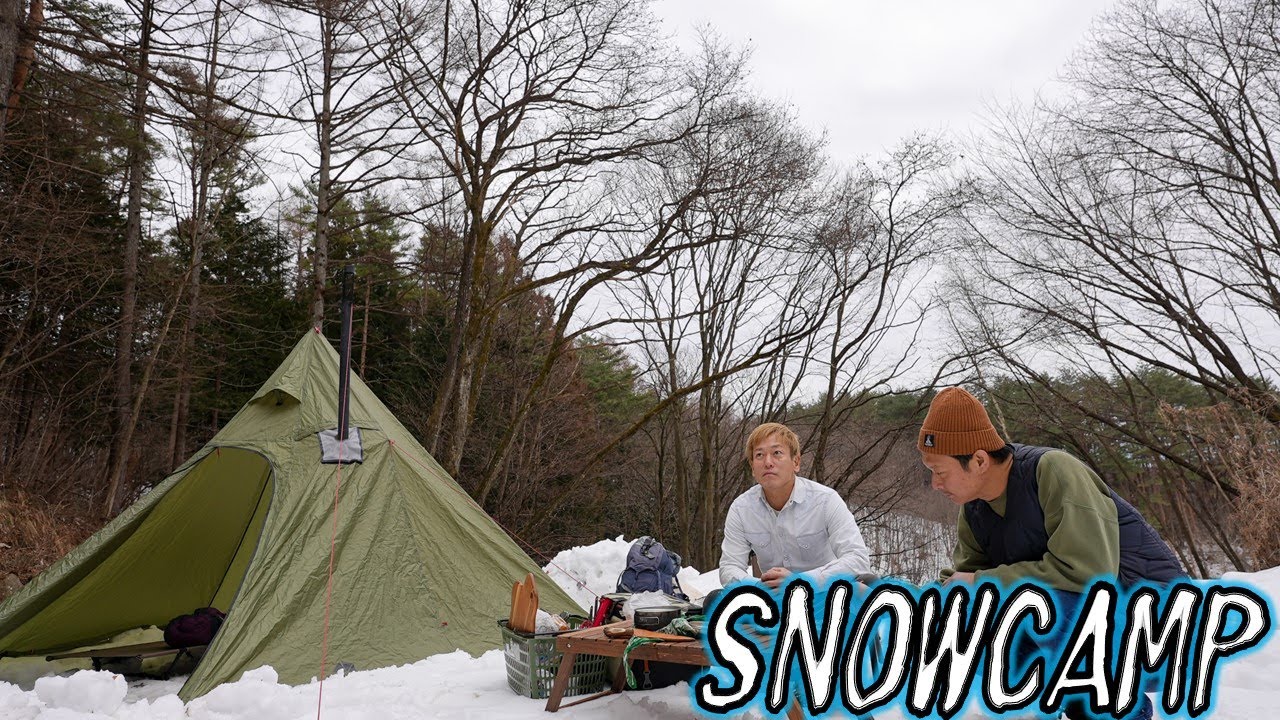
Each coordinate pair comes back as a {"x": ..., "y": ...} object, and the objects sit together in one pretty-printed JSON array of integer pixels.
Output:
[
  {"x": 961, "y": 577},
  {"x": 773, "y": 577}
]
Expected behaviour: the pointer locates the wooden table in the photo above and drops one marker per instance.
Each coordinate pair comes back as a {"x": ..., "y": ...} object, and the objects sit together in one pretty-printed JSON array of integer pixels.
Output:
[{"x": 592, "y": 641}]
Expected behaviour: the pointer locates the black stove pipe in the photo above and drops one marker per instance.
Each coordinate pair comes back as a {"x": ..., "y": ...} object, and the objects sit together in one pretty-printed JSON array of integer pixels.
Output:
[{"x": 344, "y": 351}]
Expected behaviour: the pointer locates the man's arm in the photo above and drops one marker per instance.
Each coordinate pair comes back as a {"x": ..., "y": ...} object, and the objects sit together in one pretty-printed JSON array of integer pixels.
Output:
[
  {"x": 1080, "y": 519},
  {"x": 734, "y": 549},
  {"x": 967, "y": 556},
  {"x": 845, "y": 538}
]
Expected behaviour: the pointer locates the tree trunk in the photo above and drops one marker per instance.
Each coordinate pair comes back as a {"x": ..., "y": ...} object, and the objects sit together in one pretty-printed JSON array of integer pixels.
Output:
[
  {"x": 172, "y": 447},
  {"x": 708, "y": 440},
  {"x": 10, "y": 11},
  {"x": 15, "y": 65},
  {"x": 660, "y": 475},
  {"x": 451, "y": 459},
  {"x": 324, "y": 183},
  {"x": 203, "y": 154},
  {"x": 817, "y": 454},
  {"x": 137, "y": 164},
  {"x": 143, "y": 383},
  {"x": 1188, "y": 536},
  {"x": 215, "y": 420},
  {"x": 474, "y": 244},
  {"x": 477, "y": 367},
  {"x": 182, "y": 403},
  {"x": 364, "y": 330},
  {"x": 681, "y": 472}
]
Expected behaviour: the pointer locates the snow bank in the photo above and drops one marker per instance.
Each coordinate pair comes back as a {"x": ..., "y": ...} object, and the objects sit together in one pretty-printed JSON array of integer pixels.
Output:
[
  {"x": 457, "y": 685},
  {"x": 589, "y": 571}
]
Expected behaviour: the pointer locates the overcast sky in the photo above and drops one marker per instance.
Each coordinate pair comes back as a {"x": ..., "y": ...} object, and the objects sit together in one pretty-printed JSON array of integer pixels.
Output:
[{"x": 869, "y": 71}]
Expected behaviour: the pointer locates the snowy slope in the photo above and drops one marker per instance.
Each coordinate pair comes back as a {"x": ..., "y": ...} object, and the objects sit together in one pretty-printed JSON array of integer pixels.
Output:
[{"x": 460, "y": 686}]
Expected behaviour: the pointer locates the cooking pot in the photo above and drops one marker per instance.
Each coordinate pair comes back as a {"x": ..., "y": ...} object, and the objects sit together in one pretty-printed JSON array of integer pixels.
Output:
[{"x": 655, "y": 618}]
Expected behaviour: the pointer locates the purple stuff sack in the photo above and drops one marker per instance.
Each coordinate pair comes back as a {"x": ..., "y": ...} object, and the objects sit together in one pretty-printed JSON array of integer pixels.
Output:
[{"x": 197, "y": 628}]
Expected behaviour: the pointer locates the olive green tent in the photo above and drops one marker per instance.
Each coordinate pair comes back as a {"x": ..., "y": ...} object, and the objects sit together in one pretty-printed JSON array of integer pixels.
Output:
[{"x": 245, "y": 525}]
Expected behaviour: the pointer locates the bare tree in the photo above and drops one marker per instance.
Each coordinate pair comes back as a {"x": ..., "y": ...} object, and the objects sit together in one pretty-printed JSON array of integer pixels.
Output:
[
  {"x": 1132, "y": 227},
  {"x": 17, "y": 53},
  {"x": 137, "y": 168},
  {"x": 10, "y": 25},
  {"x": 808, "y": 279},
  {"x": 337, "y": 55},
  {"x": 878, "y": 241},
  {"x": 1138, "y": 218},
  {"x": 746, "y": 291},
  {"x": 59, "y": 259},
  {"x": 527, "y": 112},
  {"x": 209, "y": 139}
]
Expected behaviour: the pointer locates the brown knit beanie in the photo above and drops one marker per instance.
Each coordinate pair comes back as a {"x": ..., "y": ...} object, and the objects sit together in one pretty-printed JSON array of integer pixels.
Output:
[{"x": 957, "y": 424}]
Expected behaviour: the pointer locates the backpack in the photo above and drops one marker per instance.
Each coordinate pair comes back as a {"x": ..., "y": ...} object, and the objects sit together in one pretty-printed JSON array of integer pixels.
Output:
[
  {"x": 650, "y": 568},
  {"x": 197, "y": 628}
]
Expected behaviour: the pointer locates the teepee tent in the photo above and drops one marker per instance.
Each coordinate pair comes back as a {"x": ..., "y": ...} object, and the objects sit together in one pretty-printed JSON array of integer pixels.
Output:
[{"x": 245, "y": 525}]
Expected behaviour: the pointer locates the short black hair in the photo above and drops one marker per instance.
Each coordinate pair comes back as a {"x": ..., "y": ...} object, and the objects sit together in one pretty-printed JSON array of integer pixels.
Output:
[{"x": 999, "y": 456}]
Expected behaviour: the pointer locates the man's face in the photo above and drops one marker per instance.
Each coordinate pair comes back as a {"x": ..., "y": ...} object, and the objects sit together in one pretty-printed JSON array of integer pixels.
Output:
[
  {"x": 773, "y": 465},
  {"x": 953, "y": 480}
]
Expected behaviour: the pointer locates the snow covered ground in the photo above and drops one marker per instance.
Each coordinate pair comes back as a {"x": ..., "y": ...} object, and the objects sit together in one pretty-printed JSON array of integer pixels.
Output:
[{"x": 460, "y": 686}]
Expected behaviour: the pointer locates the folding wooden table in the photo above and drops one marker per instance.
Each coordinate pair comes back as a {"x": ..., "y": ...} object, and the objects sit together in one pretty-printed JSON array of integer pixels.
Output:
[{"x": 593, "y": 641}]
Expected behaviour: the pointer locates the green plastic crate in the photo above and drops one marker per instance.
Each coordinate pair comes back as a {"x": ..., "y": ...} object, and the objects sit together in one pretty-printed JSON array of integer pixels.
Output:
[{"x": 532, "y": 664}]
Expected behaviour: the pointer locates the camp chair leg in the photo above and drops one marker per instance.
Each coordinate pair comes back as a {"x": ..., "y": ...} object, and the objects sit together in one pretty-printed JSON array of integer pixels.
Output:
[
  {"x": 168, "y": 673},
  {"x": 561, "y": 682}
]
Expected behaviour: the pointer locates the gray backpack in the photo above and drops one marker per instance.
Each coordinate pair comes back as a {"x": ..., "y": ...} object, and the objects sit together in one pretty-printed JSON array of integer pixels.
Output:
[{"x": 650, "y": 568}]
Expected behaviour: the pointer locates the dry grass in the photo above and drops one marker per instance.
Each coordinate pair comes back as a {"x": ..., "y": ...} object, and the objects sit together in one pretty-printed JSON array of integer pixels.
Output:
[
  {"x": 34, "y": 532},
  {"x": 1258, "y": 512},
  {"x": 1243, "y": 451}
]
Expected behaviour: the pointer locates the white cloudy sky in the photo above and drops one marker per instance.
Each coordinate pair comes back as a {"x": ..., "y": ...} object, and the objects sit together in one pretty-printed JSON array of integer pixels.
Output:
[{"x": 870, "y": 71}]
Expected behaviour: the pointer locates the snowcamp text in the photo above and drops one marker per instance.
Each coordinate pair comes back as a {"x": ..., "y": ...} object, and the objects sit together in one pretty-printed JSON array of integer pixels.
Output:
[{"x": 1015, "y": 647}]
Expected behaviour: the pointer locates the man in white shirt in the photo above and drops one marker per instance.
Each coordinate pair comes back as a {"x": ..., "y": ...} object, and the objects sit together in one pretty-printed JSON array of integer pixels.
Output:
[{"x": 793, "y": 524}]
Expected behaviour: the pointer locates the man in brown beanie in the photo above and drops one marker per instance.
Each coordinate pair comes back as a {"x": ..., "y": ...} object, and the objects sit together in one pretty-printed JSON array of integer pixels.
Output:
[{"x": 1034, "y": 512}]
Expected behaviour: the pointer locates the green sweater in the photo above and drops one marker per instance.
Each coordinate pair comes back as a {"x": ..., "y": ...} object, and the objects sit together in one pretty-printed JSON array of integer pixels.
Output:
[{"x": 1079, "y": 518}]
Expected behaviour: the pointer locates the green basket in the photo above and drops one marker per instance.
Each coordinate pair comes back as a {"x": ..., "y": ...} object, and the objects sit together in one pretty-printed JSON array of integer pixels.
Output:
[{"x": 532, "y": 664}]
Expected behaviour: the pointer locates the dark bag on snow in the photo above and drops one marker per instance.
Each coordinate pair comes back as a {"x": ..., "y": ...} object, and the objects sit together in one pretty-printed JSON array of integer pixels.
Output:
[
  {"x": 198, "y": 628},
  {"x": 650, "y": 568}
]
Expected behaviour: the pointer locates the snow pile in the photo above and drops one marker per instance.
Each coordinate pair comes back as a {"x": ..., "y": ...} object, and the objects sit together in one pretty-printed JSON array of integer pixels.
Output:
[
  {"x": 457, "y": 685},
  {"x": 590, "y": 571},
  {"x": 1247, "y": 685},
  {"x": 18, "y": 705},
  {"x": 84, "y": 695},
  {"x": 83, "y": 692}
]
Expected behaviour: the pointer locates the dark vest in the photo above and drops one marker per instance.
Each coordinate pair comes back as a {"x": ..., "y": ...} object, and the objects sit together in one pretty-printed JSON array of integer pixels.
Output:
[{"x": 1020, "y": 535}]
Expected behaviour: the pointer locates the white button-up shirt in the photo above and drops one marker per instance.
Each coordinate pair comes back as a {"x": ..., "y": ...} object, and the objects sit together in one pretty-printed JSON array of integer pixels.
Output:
[{"x": 813, "y": 533}]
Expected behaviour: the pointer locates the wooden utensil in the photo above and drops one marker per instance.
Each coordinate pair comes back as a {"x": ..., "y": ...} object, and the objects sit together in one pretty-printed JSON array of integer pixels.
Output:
[
  {"x": 524, "y": 606},
  {"x": 531, "y": 607}
]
